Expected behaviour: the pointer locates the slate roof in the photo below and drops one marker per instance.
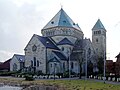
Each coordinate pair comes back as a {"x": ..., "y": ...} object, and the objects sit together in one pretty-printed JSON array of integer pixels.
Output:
[
  {"x": 65, "y": 41},
  {"x": 54, "y": 60},
  {"x": 60, "y": 55},
  {"x": 47, "y": 42},
  {"x": 20, "y": 58},
  {"x": 61, "y": 19},
  {"x": 85, "y": 42},
  {"x": 98, "y": 25}
]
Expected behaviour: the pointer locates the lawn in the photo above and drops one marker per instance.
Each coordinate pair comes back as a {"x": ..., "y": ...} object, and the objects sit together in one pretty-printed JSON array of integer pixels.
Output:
[
  {"x": 84, "y": 85},
  {"x": 66, "y": 84}
]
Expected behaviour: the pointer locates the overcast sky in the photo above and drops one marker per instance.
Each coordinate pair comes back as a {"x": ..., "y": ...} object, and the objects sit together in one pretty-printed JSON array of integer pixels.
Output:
[{"x": 20, "y": 19}]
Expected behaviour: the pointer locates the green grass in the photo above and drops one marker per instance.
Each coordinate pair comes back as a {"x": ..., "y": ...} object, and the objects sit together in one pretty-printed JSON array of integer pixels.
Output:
[
  {"x": 85, "y": 85},
  {"x": 68, "y": 84}
]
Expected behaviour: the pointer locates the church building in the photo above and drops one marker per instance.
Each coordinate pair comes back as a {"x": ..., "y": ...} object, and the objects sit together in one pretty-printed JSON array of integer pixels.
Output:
[{"x": 62, "y": 47}]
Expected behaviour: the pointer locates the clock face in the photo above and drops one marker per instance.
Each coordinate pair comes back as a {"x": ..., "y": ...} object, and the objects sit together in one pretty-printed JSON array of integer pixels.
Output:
[{"x": 34, "y": 48}]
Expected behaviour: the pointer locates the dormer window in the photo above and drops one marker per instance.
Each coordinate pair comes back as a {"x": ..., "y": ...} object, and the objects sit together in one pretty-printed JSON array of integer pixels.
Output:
[
  {"x": 64, "y": 21},
  {"x": 52, "y": 22}
]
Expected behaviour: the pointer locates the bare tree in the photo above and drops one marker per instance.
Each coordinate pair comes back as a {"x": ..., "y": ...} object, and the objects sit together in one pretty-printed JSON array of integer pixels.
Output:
[{"x": 77, "y": 54}]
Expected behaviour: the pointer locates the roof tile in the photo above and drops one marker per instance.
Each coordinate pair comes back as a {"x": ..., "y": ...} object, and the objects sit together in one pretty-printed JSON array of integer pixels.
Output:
[
  {"x": 61, "y": 19},
  {"x": 98, "y": 25}
]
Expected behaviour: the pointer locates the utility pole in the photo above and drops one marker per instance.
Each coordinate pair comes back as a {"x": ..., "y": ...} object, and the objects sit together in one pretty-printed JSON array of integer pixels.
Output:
[
  {"x": 104, "y": 65},
  {"x": 86, "y": 64},
  {"x": 69, "y": 64},
  {"x": 54, "y": 70},
  {"x": 46, "y": 57}
]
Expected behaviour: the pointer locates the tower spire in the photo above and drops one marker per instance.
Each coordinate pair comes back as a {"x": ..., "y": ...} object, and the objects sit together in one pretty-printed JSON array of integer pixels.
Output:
[{"x": 98, "y": 25}]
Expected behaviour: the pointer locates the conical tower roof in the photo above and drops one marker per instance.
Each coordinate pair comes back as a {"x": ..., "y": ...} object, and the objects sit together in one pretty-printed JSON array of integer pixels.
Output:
[
  {"x": 61, "y": 19},
  {"x": 98, "y": 25}
]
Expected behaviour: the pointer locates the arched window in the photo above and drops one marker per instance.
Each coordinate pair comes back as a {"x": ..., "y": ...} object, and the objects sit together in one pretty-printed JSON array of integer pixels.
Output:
[
  {"x": 51, "y": 65},
  {"x": 31, "y": 63},
  {"x": 34, "y": 61},
  {"x": 62, "y": 48},
  {"x": 97, "y": 40},
  {"x": 63, "y": 65},
  {"x": 72, "y": 65},
  {"x": 99, "y": 32},
  {"x": 37, "y": 63},
  {"x": 14, "y": 67},
  {"x": 97, "y": 50},
  {"x": 89, "y": 51}
]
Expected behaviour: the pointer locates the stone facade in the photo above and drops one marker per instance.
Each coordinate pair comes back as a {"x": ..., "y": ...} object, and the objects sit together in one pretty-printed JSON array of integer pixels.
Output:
[
  {"x": 17, "y": 62},
  {"x": 99, "y": 39},
  {"x": 35, "y": 58},
  {"x": 62, "y": 47}
]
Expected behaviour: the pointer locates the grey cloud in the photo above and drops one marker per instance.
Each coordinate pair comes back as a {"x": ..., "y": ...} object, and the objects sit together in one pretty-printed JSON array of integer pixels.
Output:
[{"x": 17, "y": 25}]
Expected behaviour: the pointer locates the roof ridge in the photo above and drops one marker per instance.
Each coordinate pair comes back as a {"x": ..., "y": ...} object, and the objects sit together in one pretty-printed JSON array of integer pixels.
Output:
[
  {"x": 19, "y": 54},
  {"x": 59, "y": 52}
]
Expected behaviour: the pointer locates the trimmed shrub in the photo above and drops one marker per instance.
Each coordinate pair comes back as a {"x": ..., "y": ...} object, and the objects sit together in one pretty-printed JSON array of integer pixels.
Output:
[{"x": 29, "y": 78}]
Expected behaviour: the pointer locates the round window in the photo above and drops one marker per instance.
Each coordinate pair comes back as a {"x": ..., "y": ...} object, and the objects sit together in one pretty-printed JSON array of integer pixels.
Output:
[{"x": 34, "y": 48}]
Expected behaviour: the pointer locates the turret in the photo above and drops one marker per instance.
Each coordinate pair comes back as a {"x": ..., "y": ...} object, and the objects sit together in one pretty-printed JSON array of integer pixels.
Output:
[{"x": 99, "y": 39}]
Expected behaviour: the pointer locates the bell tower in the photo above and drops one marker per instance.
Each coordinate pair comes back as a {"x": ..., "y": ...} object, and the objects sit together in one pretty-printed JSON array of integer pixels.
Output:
[{"x": 99, "y": 39}]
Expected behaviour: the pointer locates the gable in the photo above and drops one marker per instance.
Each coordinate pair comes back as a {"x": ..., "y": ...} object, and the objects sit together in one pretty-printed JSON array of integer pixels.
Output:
[
  {"x": 54, "y": 59},
  {"x": 14, "y": 60},
  {"x": 33, "y": 41},
  {"x": 65, "y": 41}
]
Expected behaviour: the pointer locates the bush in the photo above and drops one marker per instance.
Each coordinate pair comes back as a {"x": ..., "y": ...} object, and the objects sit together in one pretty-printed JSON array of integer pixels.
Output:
[
  {"x": 59, "y": 74},
  {"x": 29, "y": 78},
  {"x": 66, "y": 74},
  {"x": 7, "y": 73}
]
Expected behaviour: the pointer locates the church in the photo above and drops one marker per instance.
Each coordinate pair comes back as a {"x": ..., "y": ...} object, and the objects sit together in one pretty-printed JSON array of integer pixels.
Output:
[{"x": 62, "y": 47}]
